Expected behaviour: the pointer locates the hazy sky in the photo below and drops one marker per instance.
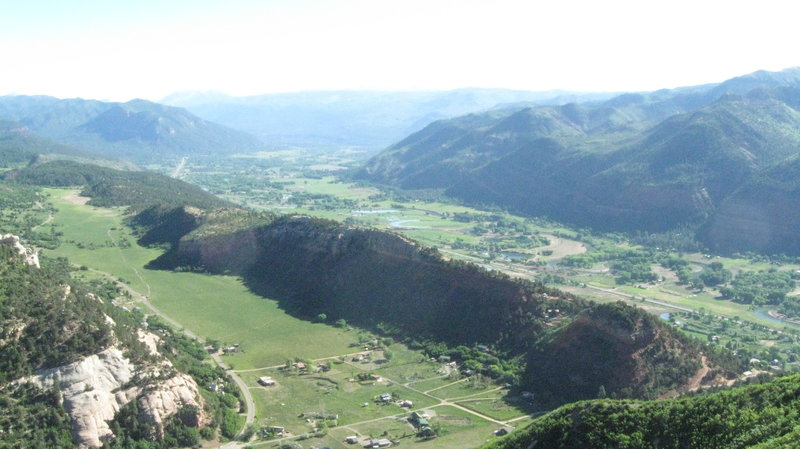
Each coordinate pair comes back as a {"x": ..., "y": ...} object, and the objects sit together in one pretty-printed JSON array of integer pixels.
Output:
[{"x": 121, "y": 49}]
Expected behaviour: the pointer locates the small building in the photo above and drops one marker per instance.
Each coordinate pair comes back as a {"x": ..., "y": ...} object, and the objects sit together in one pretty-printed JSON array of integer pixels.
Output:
[
  {"x": 266, "y": 381},
  {"x": 358, "y": 357},
  {"x": 419, "y": 421},
  {"x": 385, "y": 397},
  {"x": 444, "y": 358},
  {"x": 214, "y": 387},
  {"x": 406, "y": 403},
  {"x": 527, "y": 395},
  {"x": 377, "y": 443},
  {"x": 351, "y": 439},
  {"x": 230, "y": 349}
]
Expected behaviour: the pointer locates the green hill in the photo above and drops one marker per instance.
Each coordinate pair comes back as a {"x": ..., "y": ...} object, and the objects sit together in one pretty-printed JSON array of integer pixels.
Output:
[
  {"x": 752, "y": 417},
  {"x": 636, "y": 162},
  {"x": 138, "y": 130}
]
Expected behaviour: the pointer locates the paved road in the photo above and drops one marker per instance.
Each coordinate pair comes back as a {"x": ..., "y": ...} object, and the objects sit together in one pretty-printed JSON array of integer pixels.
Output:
[{"x": 614, "y": 291}]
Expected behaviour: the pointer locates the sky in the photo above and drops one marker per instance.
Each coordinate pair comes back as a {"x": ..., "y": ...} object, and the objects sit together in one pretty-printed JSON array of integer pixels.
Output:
[{"x": 124, "y": 49}]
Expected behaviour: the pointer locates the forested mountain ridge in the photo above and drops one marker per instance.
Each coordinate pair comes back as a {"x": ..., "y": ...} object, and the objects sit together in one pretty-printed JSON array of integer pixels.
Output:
[
  {"x": 138, "y": 130},
  {"x": 635, "y": 162}
]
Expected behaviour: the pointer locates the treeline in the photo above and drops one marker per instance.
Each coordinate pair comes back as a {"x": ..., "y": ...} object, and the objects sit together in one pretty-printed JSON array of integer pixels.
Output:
[{"x": 757, "y": 416}]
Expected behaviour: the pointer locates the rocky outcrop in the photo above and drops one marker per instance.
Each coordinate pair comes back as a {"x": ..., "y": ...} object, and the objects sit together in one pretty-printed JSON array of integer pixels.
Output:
[
  {"x": 28, "y": 256},
  {"x": 95, "y": 388}
]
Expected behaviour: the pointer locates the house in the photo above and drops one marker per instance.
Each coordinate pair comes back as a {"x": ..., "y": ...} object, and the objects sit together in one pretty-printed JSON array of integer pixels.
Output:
[
  {"x": 375, "y": 443},
  {"x": 266, "y": 381},
  {"x": 351, "y": 440},
  {"x": 419, "y": 420},
  {"x": 300, "y": 366},
  {"x": 406, "y": 403},
  {"x": 230, "y": 349},
  {"x": 505, "y": 430},
  {"x": 358, "y": 357},
  {"x": 214, "y": 387},
  {"x": 385, "y": 397}
]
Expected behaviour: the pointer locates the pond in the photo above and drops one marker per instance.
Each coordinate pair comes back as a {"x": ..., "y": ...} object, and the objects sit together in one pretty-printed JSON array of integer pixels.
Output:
[
  {"x": 513, "y": 255},
  {"x": 762, "y": 313},
  {"x": 401, "y": 224},
  {"x": 373, "y": 211}
]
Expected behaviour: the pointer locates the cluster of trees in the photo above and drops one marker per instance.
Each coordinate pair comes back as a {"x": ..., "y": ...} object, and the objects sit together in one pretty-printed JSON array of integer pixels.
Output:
[
  {"x": 31, "y": 418},
  {"x": 762, "y": 287},
  {"x": 501, "y": 366},
  {"x": 629, "y": 264}
]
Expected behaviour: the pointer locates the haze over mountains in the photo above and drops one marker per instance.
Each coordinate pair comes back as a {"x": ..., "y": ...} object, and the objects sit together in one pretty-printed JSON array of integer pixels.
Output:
[
  {"x": 651, "y": 161},
  {"x": 366, "y": 119}
]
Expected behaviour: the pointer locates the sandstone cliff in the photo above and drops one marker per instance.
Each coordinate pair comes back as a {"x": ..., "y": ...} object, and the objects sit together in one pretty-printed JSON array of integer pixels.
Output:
[
  {"x": 95, "y": 388},
  {"x": 28, "y": 256}
]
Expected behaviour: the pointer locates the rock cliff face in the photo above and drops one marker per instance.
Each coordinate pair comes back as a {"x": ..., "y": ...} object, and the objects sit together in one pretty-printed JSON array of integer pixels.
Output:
[
  {"x": 28, "y": 256},
  {"x": 95, "y": 388}
]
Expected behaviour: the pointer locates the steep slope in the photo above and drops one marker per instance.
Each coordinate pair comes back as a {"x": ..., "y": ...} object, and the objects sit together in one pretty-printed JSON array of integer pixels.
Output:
[
  {"x": 763, "y": 215},
  {"x": 139, "y": 130}
]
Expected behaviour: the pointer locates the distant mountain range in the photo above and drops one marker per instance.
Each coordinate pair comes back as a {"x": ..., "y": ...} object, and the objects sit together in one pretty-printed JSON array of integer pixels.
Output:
[
  {"x": 364, "y": 119},
  {"x": 717, "y": 157},
  {"x": 138, "y": 130}
]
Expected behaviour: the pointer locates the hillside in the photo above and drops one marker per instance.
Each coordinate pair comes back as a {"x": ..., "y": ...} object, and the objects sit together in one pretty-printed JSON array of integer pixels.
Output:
[
  {"x": 18, "y": 145},
  {"x": 138, "y": 130},
  {"x": 635, "y": 162},
  {"x": 382, "y": 281},
  {"x": 751, "y": 417},
  {"x": 109, "y": 187},
  {"x": 366, "y": 119}
]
